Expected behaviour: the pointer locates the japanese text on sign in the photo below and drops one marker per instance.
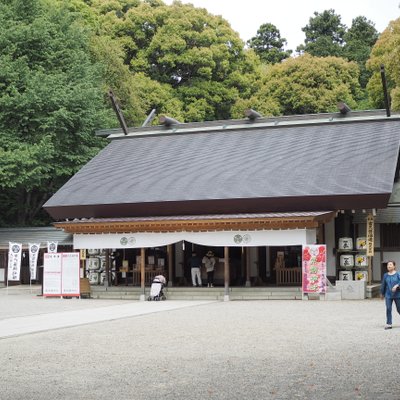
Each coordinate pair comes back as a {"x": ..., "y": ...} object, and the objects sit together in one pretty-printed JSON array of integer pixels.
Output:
[{"x": 370, "y": 235}]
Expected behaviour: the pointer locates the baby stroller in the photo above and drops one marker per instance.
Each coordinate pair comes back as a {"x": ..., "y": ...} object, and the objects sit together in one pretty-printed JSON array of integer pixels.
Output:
[{"x": 156, "y": 289}]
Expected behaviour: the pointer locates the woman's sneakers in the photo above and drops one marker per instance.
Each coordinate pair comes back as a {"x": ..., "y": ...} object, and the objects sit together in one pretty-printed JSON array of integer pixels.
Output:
[{"x": 388, "y": 327}]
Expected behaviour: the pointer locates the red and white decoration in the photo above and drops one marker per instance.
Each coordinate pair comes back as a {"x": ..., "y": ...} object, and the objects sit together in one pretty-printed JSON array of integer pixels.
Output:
[{"x": 314, "y": 269}]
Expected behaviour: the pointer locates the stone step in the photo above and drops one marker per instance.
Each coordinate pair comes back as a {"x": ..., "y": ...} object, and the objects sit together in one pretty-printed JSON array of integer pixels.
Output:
[
  {"x": 203, "y": 293},
  {"x": 21, "y": 289},
  {"x": 373, "y": 290}
]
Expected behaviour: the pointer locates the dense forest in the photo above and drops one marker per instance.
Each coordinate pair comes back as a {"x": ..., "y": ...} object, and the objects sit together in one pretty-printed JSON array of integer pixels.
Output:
[{"x": 59, "y": 59}]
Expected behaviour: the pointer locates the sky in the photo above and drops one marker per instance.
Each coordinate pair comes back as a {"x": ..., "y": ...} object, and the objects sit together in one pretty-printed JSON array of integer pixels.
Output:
[{"x": 289, "y": 16}]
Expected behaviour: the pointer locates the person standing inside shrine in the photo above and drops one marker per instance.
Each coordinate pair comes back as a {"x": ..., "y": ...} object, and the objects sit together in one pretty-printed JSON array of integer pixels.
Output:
[
  {"x": 195, "y": 265},
  {"x": 209, "y": 262}
]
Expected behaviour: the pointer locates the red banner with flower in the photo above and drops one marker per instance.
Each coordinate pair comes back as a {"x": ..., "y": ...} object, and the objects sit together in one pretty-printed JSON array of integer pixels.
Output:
[{"x": 314, "y": 268}]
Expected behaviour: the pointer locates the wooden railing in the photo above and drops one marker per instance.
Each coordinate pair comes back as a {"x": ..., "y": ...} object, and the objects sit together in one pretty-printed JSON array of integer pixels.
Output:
[
  {"x": 133, "y": 275},
  {"x": 149, "y": 274},
  {"x": 288, "y": 276}
]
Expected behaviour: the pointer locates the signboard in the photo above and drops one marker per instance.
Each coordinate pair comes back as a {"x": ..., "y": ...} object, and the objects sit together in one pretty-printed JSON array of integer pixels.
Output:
[
  {"x": 82, "y": 253},
  {"x": 370, "y": 235},
  {"x": 61, "y": 274},
  {"x": 70, "y": 274},
  {"x": 314, "y": 269},
  {"x": 52, "y": 274}
]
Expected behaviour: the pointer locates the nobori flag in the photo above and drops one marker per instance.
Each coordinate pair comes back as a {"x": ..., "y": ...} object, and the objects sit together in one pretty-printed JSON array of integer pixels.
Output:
[
  {"x": 33, "y": 257},
  {"x": 14, "y": 261}
]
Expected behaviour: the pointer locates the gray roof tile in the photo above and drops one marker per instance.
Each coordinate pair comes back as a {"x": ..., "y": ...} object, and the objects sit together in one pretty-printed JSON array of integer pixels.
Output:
[
  {"x": 34, "y": 235},
  {"x": 327, "y": 159}
]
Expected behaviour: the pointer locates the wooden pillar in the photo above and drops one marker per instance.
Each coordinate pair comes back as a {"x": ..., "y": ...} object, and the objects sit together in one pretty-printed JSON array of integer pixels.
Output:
[
  {"x": 108, "y": 279},
  {"x": 142, "y": 273},
  {"x": 320, "y": 234},
  {"x": 170, "y": 266},
  {"x": 226, "y": 273},
  {"x": 248, "y": 283}
]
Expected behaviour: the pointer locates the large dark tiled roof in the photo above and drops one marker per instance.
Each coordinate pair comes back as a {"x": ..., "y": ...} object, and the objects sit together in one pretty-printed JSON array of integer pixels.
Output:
[{"x": 265, "y": 167}]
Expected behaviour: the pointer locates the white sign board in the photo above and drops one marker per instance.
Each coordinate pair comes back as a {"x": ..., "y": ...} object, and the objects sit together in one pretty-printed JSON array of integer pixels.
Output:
[
  {"x": 70, "y": 274},
  {"x": 52, "y": 274},
  {"x": 61, "y": 274}
]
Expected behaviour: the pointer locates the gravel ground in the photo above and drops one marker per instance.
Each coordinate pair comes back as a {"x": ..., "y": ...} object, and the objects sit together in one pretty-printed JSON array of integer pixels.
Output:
[{"x": 219, "y": 350}]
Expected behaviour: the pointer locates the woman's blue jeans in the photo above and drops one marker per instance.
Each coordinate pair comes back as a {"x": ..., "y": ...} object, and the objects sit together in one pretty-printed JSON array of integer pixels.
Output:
[{"x": 389, "y": 302}]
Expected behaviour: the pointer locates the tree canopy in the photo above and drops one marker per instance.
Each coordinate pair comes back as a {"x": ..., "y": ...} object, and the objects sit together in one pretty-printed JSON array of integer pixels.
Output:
[
  {"x": 386, "y": 52},
  {"x": 359, "y": 40},
  {"x": 50, "y": 100},
  {"x": 269, "y": 45},
  {"x": 307, "y": 84},
  {"x": 194, "y": 58},
  {"x": 59, "y": 58},
  {"x": 324, "y": 35}
]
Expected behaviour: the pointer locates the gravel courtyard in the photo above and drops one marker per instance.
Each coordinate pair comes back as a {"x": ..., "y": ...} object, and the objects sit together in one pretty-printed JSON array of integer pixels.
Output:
[{"x": 197, "y": 350}]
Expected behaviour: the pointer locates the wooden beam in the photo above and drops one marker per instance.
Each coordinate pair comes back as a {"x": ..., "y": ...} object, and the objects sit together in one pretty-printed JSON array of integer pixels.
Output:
[{"x": 164, "y": 226}]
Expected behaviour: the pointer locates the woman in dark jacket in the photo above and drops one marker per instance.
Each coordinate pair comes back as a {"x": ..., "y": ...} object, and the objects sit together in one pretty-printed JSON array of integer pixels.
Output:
[{"x": 390, "y": 291}]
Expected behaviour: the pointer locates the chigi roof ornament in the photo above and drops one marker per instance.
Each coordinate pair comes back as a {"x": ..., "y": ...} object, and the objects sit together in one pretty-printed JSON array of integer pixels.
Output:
[
  {"x": 251, "y": 114},
  {"x": 343, "y": 107},
  {"x": 168, "y": 121}
]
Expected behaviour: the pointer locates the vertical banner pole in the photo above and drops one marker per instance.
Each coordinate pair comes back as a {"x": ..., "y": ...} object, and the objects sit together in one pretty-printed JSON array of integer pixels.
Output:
[
  {"x": 8, "y": 268},
  {"x": 7, "y": 279}
]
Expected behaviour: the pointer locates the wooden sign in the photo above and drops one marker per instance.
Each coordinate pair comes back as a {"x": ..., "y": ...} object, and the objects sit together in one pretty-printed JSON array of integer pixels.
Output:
[{"x": 370, "y": 235}]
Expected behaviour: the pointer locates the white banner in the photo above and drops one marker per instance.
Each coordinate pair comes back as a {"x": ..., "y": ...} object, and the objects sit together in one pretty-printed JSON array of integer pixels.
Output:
[
  {"x": 14, "y": 261},
  {"x": 52, "y": 247},
  {"x": 290, "y": 237},
  {"x": 33, "y": 257}
]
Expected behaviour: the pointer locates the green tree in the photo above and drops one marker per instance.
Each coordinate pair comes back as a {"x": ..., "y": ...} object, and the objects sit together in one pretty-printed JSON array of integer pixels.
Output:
[
  {"x": 51, "y": 101},
  {"x": 324, "y": 35},
  {"x": 269, "y": 45},
  {"x": 195, "y": 57},
  {"x": 387, "y": 52},
  {"x": 359, "y": 40},
  {"x": 308, "y": 84}
]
